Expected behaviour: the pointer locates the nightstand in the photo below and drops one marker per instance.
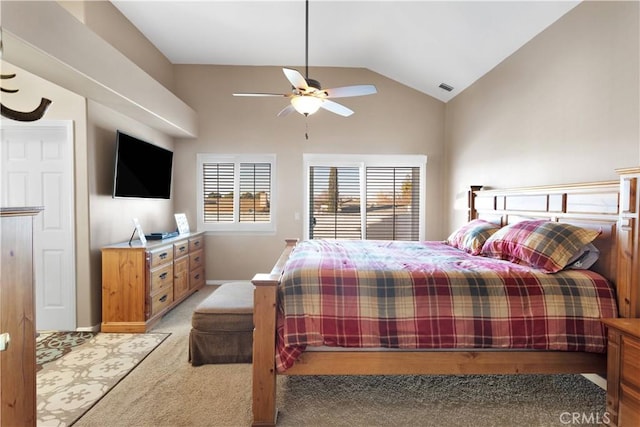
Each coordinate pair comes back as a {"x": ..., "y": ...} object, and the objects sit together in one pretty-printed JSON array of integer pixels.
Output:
[{"x": 623, "y": 372}]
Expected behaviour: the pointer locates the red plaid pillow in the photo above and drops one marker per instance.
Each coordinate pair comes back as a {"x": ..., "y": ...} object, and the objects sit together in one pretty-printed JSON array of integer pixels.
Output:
[
  {"x": 540, "y": 244},
  {"x": 471, "y": 236}
]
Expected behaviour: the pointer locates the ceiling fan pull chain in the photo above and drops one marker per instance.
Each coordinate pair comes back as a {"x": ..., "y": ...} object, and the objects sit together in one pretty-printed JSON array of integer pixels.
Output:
[{"x": 306, "y": 128}]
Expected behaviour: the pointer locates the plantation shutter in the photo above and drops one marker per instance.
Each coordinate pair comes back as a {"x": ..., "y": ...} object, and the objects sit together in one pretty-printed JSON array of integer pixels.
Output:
[
  {"x": 393, "y": 209},
  {"x": 218, "y": 184},
  {"x": 334, "y": 203},
  {"x": 236, "y": 194},
  {"x": 255, "y": 188}
]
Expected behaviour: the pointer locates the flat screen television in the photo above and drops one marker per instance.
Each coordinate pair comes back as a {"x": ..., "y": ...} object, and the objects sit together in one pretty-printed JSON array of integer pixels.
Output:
[{"x": 141, "y": 169}]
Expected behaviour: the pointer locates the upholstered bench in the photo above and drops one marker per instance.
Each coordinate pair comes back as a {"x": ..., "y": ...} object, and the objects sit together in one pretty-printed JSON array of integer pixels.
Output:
[{"x": 222, "y": 326}]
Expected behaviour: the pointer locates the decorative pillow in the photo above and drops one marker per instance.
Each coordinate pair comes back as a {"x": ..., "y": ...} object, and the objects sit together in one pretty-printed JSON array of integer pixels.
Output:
[
  {"x": 471, "y": 236},
  {"x": 541, "y": 244},
  {"x": 585, "y": 258}
]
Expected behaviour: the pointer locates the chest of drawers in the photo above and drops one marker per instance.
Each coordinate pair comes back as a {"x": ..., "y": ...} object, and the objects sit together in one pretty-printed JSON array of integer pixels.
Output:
[
  {"x": 140, "y": 283},
  {"x": 623, "y": 372}
]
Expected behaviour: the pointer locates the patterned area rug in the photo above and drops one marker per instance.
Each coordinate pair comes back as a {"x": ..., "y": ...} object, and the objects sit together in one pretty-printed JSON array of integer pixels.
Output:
[
  {"x": 53, "y": 345},
  {"x": 76, "y": 369}
]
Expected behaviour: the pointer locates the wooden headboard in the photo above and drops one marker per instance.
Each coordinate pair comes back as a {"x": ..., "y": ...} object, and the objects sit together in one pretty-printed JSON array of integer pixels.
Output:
[{"x": 611, "y": 207}]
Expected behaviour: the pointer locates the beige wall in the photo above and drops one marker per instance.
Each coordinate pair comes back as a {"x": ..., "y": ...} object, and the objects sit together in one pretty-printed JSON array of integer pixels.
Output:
[
  {"x": 105, "y": 20},
  {"x": 111, "y": 219},
  {"x": 65, "y": 106},
  {"x": 100, "y": 220},
  {"x": 52, "y": 42},
  {"x": 397, "y": 120},
  {"x": 564, "y": 108}
]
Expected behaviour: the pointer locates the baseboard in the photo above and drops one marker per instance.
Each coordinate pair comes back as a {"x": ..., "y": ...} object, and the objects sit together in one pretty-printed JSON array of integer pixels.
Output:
[
  {"x": 94, "y": 328},
  {"x": 220, "y": 282},
  {"x": 598, "y": 380}
]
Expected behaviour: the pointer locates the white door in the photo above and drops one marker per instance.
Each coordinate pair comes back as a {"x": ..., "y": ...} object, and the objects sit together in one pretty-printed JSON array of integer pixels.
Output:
[{"x": 37, "y": 170}]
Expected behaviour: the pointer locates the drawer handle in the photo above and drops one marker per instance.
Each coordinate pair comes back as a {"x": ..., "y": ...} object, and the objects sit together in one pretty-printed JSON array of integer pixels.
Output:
[
  {"x": 163, "y": 255},
  {"x": 197, "y": 259},
  {"x": 196, "y": 243},
  {"x": 163, "y": 298},
  {"x": 163, "y": 276},
  {"x": 182, "y": 248},
  {"x": 197, "y": 276}
]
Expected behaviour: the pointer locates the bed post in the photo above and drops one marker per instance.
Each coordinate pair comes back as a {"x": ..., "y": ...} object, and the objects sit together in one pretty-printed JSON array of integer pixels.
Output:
[
  {"x": 264, "y": 341},
  {"x": 264, "y": 345},
  {"x": 628, "y": 280},
  {"x": 471, "y": 202}
]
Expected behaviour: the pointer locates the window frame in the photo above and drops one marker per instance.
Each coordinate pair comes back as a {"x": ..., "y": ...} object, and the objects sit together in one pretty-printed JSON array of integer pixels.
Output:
[
  {"x": 236, "y": 227},
  {"x": 362, "y": 161}
]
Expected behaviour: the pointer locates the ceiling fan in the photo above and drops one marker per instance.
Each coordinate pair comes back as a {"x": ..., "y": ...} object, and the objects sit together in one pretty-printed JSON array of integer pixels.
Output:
[{"x": 307, "y": 95}]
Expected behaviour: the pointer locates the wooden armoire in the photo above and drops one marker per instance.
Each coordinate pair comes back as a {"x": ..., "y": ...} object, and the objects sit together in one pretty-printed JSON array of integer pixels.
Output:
[{"x": 17, "y": 318}]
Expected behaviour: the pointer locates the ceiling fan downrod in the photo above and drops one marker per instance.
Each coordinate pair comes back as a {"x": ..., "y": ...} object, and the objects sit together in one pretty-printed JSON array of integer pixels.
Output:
[{"x": 306, "y": 41}]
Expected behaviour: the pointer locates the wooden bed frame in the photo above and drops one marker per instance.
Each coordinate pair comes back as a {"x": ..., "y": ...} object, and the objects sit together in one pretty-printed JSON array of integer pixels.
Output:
[{"x": 612, "y": 206}]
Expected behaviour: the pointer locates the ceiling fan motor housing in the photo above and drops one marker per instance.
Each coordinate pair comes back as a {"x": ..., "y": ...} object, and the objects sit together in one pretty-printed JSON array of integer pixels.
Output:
[{"x": 313, "y": 83}]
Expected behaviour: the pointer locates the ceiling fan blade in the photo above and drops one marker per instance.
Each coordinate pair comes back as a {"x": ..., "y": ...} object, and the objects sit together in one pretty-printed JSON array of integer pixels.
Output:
[
  {"x": 334, "y": 107},
  {"x": 286, "y": 111},
  {"x": 295, "y": 78},
  {"x": 261, "y": 94},
  {"x": 357, "y": 90}
]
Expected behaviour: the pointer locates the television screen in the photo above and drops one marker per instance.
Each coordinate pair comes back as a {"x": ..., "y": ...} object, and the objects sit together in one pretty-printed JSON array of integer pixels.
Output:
[{"x": 141, "y": 169}]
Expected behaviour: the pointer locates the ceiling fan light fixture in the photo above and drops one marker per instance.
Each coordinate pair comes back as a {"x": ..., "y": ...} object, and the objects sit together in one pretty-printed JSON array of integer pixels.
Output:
[
  {"x": 307, "y": 96},
  {"x": 305, "y": 104}
]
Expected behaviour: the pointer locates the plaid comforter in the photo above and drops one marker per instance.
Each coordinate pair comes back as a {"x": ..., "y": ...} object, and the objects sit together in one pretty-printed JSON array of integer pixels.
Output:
[{"x": 413, "y": 295}]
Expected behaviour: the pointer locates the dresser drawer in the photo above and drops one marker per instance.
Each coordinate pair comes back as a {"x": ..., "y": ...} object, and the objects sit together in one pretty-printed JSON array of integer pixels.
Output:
[
  {"x": 160, "y": 256},
  {"x": 162, "y": 299},
  {"x": 196, "y": 260},
  {"x": 196, "y": 278},
  {"x": 630, "y": 369},
  {"x": 180, "y": 248},
  {"x": 629, "y": 411},
  {"x": 196, "y": 243},
  {"x": 160, "y": 277}
]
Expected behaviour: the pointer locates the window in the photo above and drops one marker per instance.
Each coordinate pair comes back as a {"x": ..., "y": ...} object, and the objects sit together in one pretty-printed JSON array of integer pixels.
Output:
[
  {"x": 235, "y": 193},
  {"x": 365, "y": 197}
]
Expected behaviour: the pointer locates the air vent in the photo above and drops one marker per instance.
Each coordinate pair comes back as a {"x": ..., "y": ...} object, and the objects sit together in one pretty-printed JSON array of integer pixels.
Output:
[{"x": 446, "y": 87}]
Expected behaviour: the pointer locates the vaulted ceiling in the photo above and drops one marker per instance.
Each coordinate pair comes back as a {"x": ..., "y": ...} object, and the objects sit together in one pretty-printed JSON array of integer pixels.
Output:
[{"x": 418, "y": 43}]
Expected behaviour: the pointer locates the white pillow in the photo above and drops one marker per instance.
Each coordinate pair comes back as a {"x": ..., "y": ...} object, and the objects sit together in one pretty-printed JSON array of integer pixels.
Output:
[{"x": 585, "y": 258}]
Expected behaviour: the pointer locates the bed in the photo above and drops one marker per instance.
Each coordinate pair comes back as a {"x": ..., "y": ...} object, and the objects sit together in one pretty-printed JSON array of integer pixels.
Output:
[{"x": 609, "y": 209}]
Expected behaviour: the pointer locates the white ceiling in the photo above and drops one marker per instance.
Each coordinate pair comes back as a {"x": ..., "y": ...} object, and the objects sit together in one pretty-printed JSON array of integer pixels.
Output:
[{"x": 418, "y": 43}]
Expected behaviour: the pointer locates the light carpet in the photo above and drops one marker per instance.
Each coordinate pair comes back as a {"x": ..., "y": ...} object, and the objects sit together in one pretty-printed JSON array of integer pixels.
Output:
[
  {"x": 166, "y": 391},
  {"x": 439, "y": 400},
  {"x": 76, "y": 369}
]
